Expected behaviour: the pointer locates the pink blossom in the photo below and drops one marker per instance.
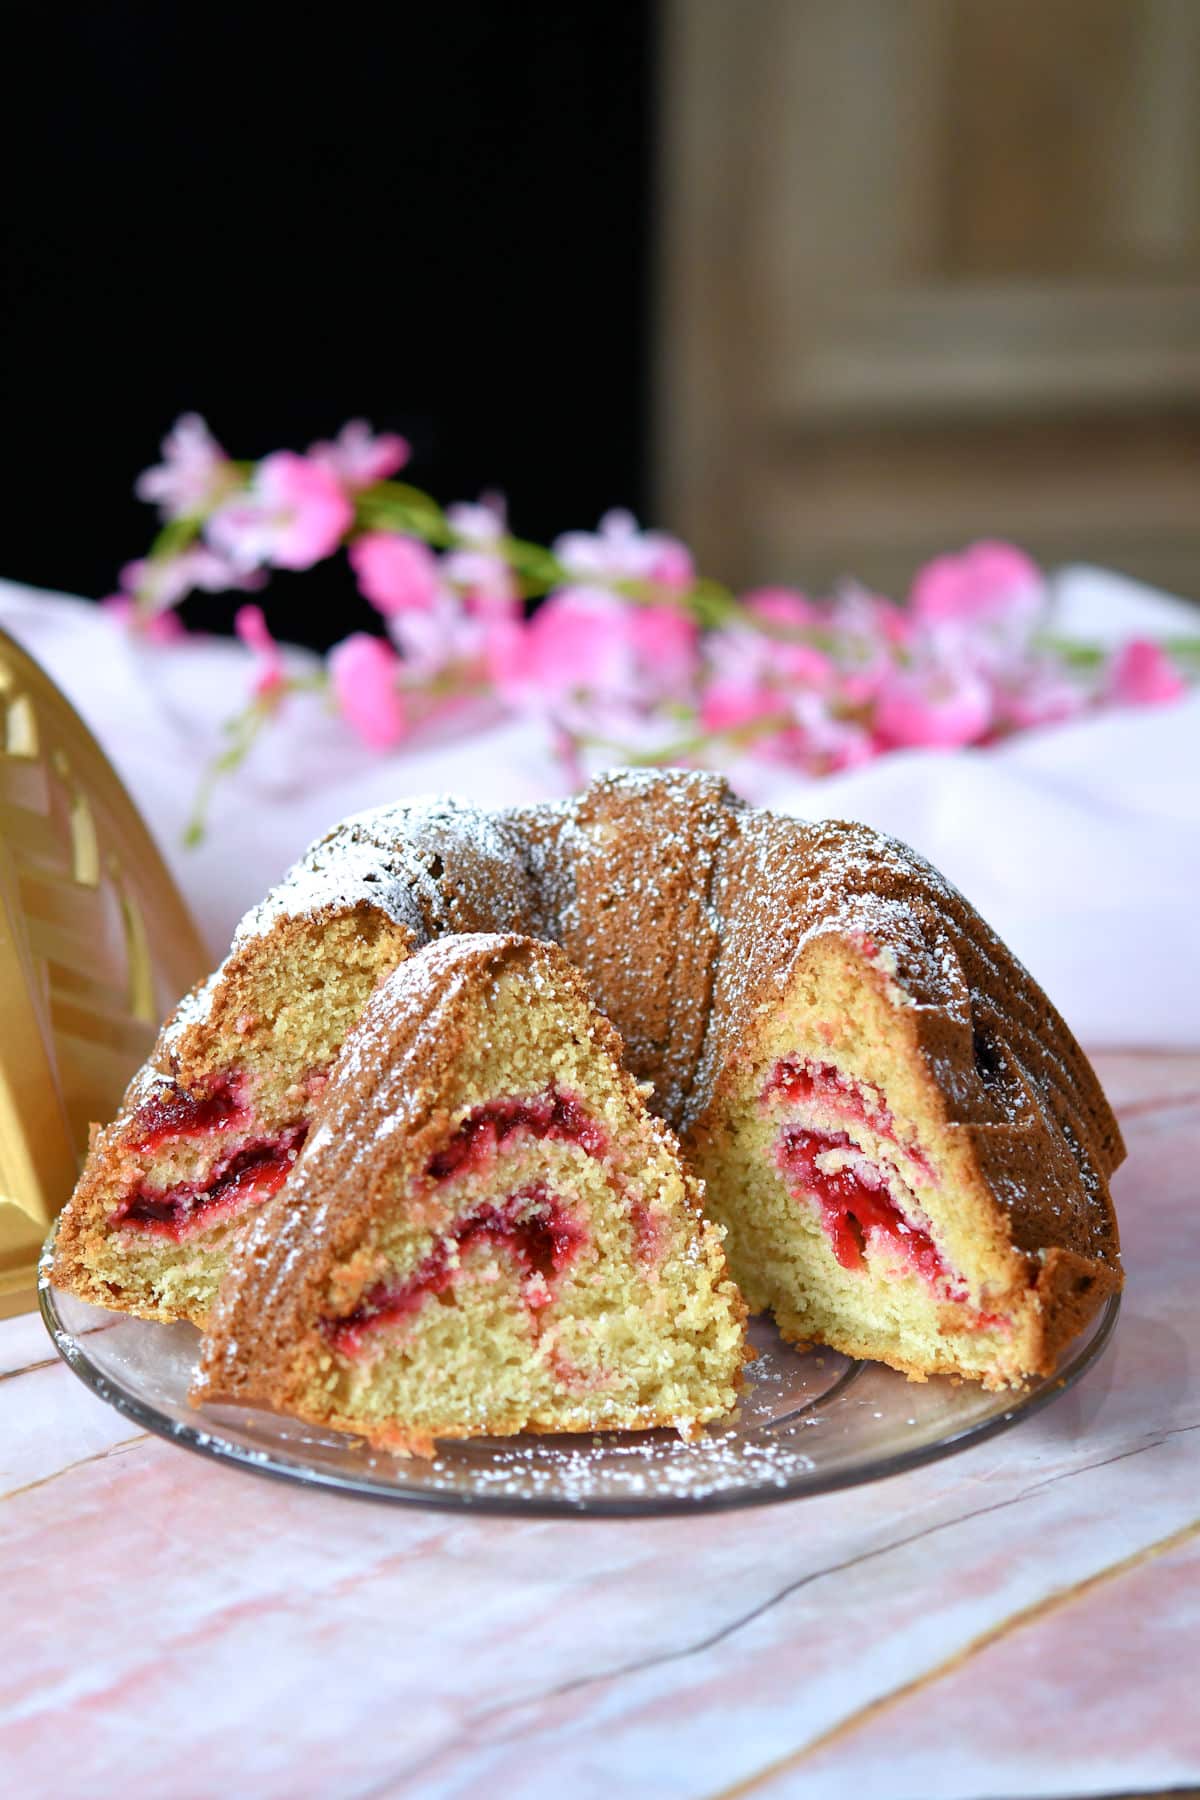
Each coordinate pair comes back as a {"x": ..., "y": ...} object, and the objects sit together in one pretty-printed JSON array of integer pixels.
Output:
[
  {"x": 984, "y": 581},
  {"x": 294, "y": 514},
  {"x": 1142, "y": 674},
  {"x": 938, "y": 708},
  {"x": 831, "y": 741},
  {"x": 437, "y": 638},
  {"x": 357, "y": 458},
  {"x": 395, "y": 572},
  {"x": 364, "y": 672},
  {"x": 194, "y": 474},
  {"x": 871, "y": 626},
  {"x": 783, "y": 607},
  {"x": 587, "y": 643},
  {"x": 801, "y": 666},
  {"x": 742, "y": 658},
  {"x": 727, "y": 704},
  {"x": 155, "y": 627},
  {"x": 158, "y": 583},
  {"x": 478, "y": 525},
  {"x": 251, "y": 627},
  {"x": 577, "y": 641},
  {"x": 1037, "y": 694},
  {"x": 664, "y": 640},
  {"x": 486, "y": 581},
  {"x": 671, "y": 567},
  {"x": 619, "y": 551}
]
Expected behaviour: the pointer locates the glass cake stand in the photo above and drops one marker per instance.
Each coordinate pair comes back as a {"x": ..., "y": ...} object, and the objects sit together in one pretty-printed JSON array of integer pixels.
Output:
[{"x": 806, "y": 1425}]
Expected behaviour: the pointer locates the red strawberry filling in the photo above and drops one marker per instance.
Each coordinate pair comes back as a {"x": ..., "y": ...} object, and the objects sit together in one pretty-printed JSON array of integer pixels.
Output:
[
  {"x": 550, "y": 1115},
  {"x": 854, "y": 1203},
  {"x": 247, "y": 1177},
  {"x": 535, "y": 1230},
  {"x": 858, "y": 1211},
  {"x": 171, "y": 1112},
  {"x": 798, "y": 1081}
]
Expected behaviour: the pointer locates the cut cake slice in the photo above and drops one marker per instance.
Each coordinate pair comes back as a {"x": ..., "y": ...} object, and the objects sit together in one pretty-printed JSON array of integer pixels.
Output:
[
  {"x": 487, "y": 1233},
  {"x": 906, "y": 1146},
  {"x": 213, "y": 1123}
]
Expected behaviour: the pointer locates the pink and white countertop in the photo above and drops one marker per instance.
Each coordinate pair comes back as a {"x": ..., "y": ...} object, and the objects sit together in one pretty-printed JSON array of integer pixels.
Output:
[{"x": 1021, "y": 1619}]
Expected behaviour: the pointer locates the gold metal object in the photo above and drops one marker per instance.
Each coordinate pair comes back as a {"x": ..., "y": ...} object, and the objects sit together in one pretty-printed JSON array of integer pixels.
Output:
[{"x": 96, "y": 945}]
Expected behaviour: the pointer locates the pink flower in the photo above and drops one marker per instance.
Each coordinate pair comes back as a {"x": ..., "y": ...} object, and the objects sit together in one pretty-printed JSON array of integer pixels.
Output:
[
  {"x": 1142, "y": 674},
  {"x": 664, "y": 640},
  {"x": 478, "y": 525},
  {"x": 436, "y": 638},
  {"x": 743, "y": 659},
  {"x": 396, "y": 573},
  {"x": 938, "y": 708},
  {"x": 294, "y": 514},
  {"x": 364, "y": 672},
  {"x": 801, "y": 666},
  {"x": 831, "y": 741},
  {"x": 575, "y": 642},
  {"x": 727, "y": 704},
  {"x": 486, "y": 581},
  {"x": 620, "y": 552},
  {"x": 194, "y": 474},
  {"x": 252, "y": 629},
  {"x": 586, "y": 643},
  {"x": 158, "y": 583},
  {"x": 155, "y": 627},
  {"x": 983, "y": 581},
  {"x": 869, "y": 627},
  {"x": 1037, "y": 694},
  {"x": 784, "y": 607},
  {"x": 357, "y": 458}
]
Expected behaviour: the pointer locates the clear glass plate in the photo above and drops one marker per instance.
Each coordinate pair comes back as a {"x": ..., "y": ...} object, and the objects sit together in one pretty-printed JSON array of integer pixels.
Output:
[{"x": 806, "y": 1425}]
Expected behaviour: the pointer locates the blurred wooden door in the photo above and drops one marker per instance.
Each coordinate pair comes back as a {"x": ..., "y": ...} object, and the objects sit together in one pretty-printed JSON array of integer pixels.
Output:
[{"x": 930, "y": 270}]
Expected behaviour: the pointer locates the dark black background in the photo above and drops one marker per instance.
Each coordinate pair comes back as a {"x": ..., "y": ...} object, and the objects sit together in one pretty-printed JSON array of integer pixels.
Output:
[{"x": 435, "y": 217}]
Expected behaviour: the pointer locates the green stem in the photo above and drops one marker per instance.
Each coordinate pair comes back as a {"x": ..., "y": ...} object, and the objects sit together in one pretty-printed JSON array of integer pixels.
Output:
[
  {"x": 738, "y": 737},
  {"x": 243, "y": 731}
]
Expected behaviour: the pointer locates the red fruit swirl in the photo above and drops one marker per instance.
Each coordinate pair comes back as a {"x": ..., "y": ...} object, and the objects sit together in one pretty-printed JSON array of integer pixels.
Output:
[
  {"x": 853, "y": 1209},
  {"x": 534, "y": 1229},
  {"x": 173, "y": 1112},
  {"x": 247, "y": 1177},
  {"x": 550, "y": 1115}
]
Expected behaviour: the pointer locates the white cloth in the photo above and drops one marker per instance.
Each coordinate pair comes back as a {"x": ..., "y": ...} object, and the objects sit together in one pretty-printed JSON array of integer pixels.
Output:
[{"x": 1080, "y": 844}]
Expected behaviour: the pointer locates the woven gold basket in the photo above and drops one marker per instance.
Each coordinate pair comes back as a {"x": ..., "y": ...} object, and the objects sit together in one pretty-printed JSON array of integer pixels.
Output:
[{"x": 96, "y": 945}]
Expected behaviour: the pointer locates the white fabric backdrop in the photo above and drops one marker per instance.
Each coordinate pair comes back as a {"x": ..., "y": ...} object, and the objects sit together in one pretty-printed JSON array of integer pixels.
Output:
[{"x": 1081, "y": 844}]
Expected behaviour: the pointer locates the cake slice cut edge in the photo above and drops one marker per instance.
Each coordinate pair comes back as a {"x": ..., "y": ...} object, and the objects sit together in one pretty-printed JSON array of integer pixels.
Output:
[
  {"x": 212, "y": 1126},
  {"x": 488, "y": 1232},
  {"x": 882, "y": 1202}
]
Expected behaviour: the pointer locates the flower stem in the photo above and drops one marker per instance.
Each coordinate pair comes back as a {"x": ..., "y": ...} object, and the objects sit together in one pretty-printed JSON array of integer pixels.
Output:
[{"x": 242, "y": 730}]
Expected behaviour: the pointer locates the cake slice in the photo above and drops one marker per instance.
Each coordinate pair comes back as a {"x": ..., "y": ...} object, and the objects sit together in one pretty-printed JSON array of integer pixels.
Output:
[
  {"x": 212, "y": 1125},
  {"x": 487, "y": 1233},
  {"x": 905, "y": 1144}
]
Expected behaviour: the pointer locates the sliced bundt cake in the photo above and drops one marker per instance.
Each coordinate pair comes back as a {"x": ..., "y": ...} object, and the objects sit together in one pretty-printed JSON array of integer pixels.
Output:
[
  {"x": 907, "y": 1145},
  {"x": 487, "y": 1233}
]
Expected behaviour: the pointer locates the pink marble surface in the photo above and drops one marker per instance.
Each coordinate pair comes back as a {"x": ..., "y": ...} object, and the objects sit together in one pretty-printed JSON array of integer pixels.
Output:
[{"x": 1020, "y": 1619}]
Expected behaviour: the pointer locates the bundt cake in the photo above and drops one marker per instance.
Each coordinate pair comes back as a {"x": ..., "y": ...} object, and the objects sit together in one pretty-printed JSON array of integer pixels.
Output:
[
  {"x": 908, "y": 1149},
  {"x": 487, "y": 1232}
]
